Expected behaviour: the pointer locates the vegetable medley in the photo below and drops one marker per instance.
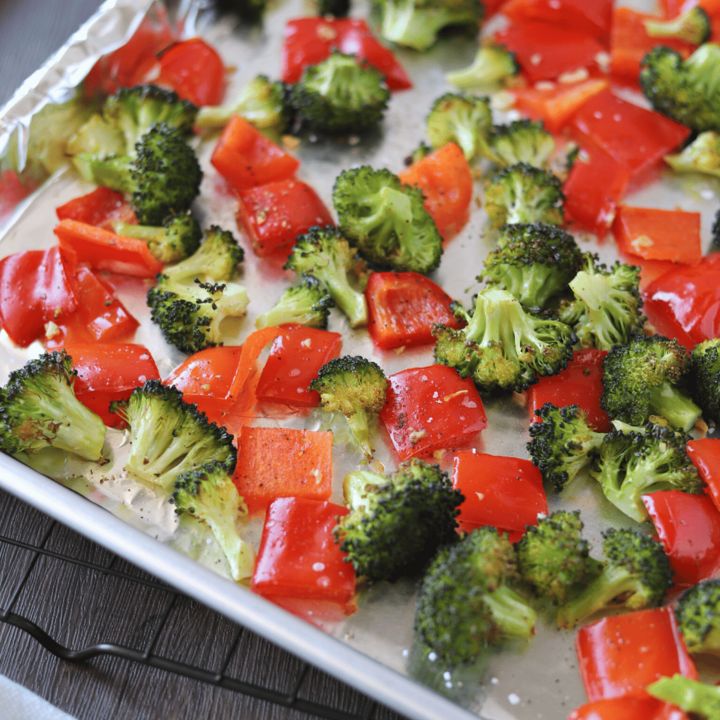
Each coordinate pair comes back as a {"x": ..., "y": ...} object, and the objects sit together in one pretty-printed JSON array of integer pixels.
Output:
[{"x": 619, "y": 366}]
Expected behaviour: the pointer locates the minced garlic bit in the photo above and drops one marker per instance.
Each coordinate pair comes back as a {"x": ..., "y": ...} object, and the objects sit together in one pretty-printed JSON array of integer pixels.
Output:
[
  {"x": 448, "y": 398},
  {"x": 400, "y": 350},
  {"x": 261, "y": 216},
  {"x": 568, "y": 78},
  {"x": 641, "y": 242},
  {"x": 326, "y": 32},
  {"x": 290, "y": 142},
  {"x": 439, "y": 454},
  {"x": 51, "y": 330},
  {"x": 307, "y": 343},
  {"x": 416, "y": 436}
]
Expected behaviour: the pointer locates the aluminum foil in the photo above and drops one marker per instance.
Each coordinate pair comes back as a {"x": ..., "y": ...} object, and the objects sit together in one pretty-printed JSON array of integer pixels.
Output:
[{"x": 518, "y": 682}]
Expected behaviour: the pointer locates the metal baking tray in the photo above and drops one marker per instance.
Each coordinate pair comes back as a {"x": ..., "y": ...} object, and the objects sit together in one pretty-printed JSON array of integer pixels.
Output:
[{"x": 374, "y": 649}]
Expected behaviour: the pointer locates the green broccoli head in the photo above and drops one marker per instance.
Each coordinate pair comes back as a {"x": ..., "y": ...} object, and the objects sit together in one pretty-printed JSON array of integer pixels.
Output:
[
  {"x": 356, "y": 387},
  {"x": 524, "y": 194},
  {"x": 307, "y": 304},
  {"x": 504, "y": 348},
  {"x": 521, "y": 141},
  {"x": 397, "y": 523},
  {"x": 636, "y": 575},
  {"x": 169, "y": 437},
  {"x": 533, "y": 262},
  {"x": 702, "y": 155},
  {"x": 216, "y": 259},
  {"x": 692, "y": 26},
  {"x": 684, "y": 90},
  {"x": 562, "y": 443},
  {"x": 386, "y": 220},
  {"x": 177, "y": 238},
  {"x": 324, "y": 253},
  {"x": 704, "y": 378},
  {"x": 689, "y": 695},
  {"x": 645, "y": 377},
  {"x": 698, "y": 616},
  {"x": 554, "y": 558},
  {"x": 462, "y": 119},
  {"x": 493, "y": 63},
  {"x": 38, "y": 409}
]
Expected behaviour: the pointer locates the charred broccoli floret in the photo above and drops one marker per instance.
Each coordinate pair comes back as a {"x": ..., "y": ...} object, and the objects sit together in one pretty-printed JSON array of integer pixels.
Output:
[
  {"x": 340, "y": 95},
  {"x": 533, "y": 262},
  {"x": 562, "y": 443},
  {"x": 462, "y": 119},
  {"x": 503, "y": 348},
  {"x": 632, "y": 463},
  {"x": 38, "y": 409},
  {"x": 216, "y": 259},
  {"x": 307, "y": 304},
  {"x": 169, "y": 437},
  {"x": 386, "y": 220},
  {"x": 397, "y": 523},
  {"x": 692, "y": 26},
  {"x": 636, "y": 575},
  {"x": 698, "y": 617},
  {"x": 684, "y": 90},
  {"x": 554, "y": 558},
  {"x": 704, "y": 378},
  {"x": 356, "y": 387},
  {"x": 492, "y": 64},
  {"x": 177, "y": 238},
  {"x": 208, "y": 493},
  {"x": 524, "y": 194},
  {"x": 325, "y": 254},
  {"x": 467, "y": 599},
  {"x": 701, "y": 155},
  {"x": 646, "y": 377},
  {"x": 521, "y": 141},
  {"x": 689, "y": 695}
]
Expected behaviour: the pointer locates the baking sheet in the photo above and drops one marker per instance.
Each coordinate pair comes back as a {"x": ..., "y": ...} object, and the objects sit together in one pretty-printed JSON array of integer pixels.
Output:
[{"x": 373, "y": 649}]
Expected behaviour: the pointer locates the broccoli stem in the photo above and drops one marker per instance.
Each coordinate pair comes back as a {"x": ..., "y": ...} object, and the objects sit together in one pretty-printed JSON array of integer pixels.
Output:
[
  {"x": 349, "y": 301},
  {"x": 240, "y": 554},
  {"x": 511, "y": 612},
  {"x": 680, "y": 411},
  {"x": 690, "y": 695},
  {"x": 113, "y": 172},
  {"x": 360, "y": 429},
  {"x": 139, "y": 232},
  {"x": 359, "y": 486}
]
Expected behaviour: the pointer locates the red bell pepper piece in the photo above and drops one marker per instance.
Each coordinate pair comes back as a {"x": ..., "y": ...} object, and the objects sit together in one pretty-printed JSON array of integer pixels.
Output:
[
  {"x": 101, "y": 208},
  {"x": 504, "y": 492},
  {"x": 251, "y": 349},
  {"x": 36, "y": 287},
  {"x": 659, "y": 234},
  {"x": 308, "y": 41},
  {"x": 294, "y": 362},
  {"x": 688, "y": 526},
  {"x": 446, "y": 181},
  {"x": 705, "y": 455},
  {"x": 628, "y": 708},
  {"x": 298, "y": 556},
  {"x": 580, "y": 383},
  {"x": 273, "y": 215},
  {"x": 593, "y": 18},
  {"x": 620, "y": 656},
  {"x": 402, "y": 308},
  {"x": 12, "y": 191},
  {"x": 431, "y": 408}
]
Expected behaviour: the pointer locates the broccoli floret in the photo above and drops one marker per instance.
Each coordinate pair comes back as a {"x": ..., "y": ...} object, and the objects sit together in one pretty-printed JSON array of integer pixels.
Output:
[
  {"x": 216, "y": 259},
  {"x": 704, "y": 378},
  {"x": 420, "y": 152},
  {"x": 397, "y": 523},
  {"x": 692, "y": 26},
  {"x": 386, "y": 220},
  {"x": 521, "y": 141},
  {"x": 340, "y": 95},
  {"x": 636, "y": 575},
  {"x": 684, "y": 90},
  {"x": 698, "y": 617},
  {"x": 607, "y": 310},
  {"x": 554, "y": 558},
  {"x": 524, "y": 194},
  {"x": 462, "y": 119},
  {"x": 209, "y": 494},
  {"x": 356, "y": 387},
  {"x": 177, "y": 238},
  {"x": 307, "y": 304},
  {"x": 632, "y": 463},
  {"x": 467, "y": 600},
  {"x": 326, "y": 255},
  {"x": 689, "y": 695},
  {"x": 562, "y": 443},
  {"x": 164, "y": 177},
  {"x": 701, "y": 155},
  {"x": 416, "y": 23},
  {"x": 334, "y": 8},
  {"x": 492, "y": 64},
  {"x": 503, "y": 347},
  {"x": 38, "y": 409},
  {"x": 645, "y": 377},
  {"x": 97, "y": 137},
  {"x": 169, "y": 437},
  {"x": 533, "y": 262}
]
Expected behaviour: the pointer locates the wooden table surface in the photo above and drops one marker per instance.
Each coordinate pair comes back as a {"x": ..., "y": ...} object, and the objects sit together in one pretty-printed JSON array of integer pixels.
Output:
[{"x": 77, "y": 606}]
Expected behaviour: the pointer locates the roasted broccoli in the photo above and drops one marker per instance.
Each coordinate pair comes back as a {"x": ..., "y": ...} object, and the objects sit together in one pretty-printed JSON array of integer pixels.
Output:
[
  {"x": 356, "y": 387},
  {"x": 209, "y": 494},
  {"x": 421, "y": 151},
  {"x": 334, "y": 8},
  {"x": 607, "y": 309},
  {"x": 533, "y": 262},
  {"x": 177, "y": 238},
  {"x": 38, "y": 409},
  {"x": 524, "y": 194},
  {"x": 169, "y": 437},
  {"x": 704, "y": 378},
  {"x": 326, "y": 255},
  {"x": 492, "y": 64},
  {"x": 163, "y": 178},
  {"x": 397, "y": 523},
  {"x": 340, "y": 95},
  {"x": 684, "y": 90},
  {"x": 462, "y": 119},
  {"x": 307, "y": 304},
  {"x": 386, "y": 220},
  {"x": 698, "y": 617},
  {"x": 521, "y": 141},
  {"x": 692, "y": 696},
  {"x": 562, "y": 443},
  {"x": 634, "y": 462},
  {"x": 693, "y": 26},
  {"x": 554, "y": 558},
  {"x": 636, "y": 575},
  {"x": 503, "y": 348},
  {"x": 467, "y": 600},
  {"x": 645, "y": 377},
  {"x": 216, "y": 259},
  {"x": 702, "y": 155}
]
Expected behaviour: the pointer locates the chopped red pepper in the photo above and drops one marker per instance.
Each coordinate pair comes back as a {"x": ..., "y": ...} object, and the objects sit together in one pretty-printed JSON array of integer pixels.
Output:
[
  {"x": 705, "y": 454},
  {"x": 101, "y": 208},
  {"x": 588, "y": 17},
  {"x": 628, "y": 708}
]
